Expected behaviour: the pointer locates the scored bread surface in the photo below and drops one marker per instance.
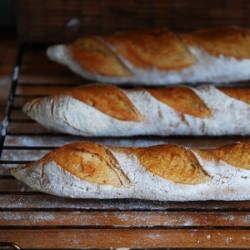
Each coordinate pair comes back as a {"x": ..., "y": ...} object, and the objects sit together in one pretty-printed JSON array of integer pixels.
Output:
[
  {"x": 160, "y": 56},
  {"x": 227, "y": 41},
  {"x": 102, "y": 110},
  {"x": 93, "y": 55},
  {"x": 242, "y": 94},
  {"x": 163, "y": 172},
  {"x": 161, "y": 49},
  {"x": 188, "y": 101},
  {"x": 108, "y": 99},
  {"x": 90, "y": 162}
]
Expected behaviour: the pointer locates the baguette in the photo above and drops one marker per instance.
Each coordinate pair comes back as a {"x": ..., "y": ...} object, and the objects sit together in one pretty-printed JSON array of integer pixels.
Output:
[
  {"x": 162, "y": 172},
  {"x": 105, "y": 110},
  {"x": 160, "y": 57}
]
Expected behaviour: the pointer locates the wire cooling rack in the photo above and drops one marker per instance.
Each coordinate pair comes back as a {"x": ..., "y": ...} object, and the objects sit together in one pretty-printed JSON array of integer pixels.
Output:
[{"x": 33, "y": 220}]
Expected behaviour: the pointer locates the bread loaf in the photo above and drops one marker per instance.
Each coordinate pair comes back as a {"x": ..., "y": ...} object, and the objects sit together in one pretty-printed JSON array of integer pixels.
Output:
[
  {"x": 163, "y": 172},
  {"x": 104, "y": 110},
  {"x": 217, "y": 55}
]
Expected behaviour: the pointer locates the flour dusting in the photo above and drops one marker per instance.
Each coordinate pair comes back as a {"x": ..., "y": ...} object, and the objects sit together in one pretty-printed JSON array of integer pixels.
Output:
[
  {"x": 229, "y": 116},
  {"x": 207, "y": 69},
  {"x": 225, "y": 182}
]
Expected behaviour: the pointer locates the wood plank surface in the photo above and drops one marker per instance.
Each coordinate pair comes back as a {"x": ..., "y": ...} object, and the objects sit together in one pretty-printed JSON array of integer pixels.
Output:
[
  {"x": 37, "y": 68},
  {"x": 23, "y": 154},
  {"x": 43, "y": 78},
  {"x": 26, "y": 126},
  {"x": 56, "y": 140},
  {"x": 18, "y": 114},
  {"x": 38, "y": 91},
  {"x": 39, "y": 141},
  {"x": 11, "y": 185},
  {"x": 141, "y": 219},
  {"x": 4, "y": 170},
  {"x": 50, "y": 202},
  {"x": 20, "y": 101},
  {"x": 130, "y": 238}
]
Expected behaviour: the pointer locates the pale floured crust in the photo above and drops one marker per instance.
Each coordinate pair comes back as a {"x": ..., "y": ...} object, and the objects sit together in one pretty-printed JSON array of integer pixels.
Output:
[
  {"x": 109, "y": 111},
  {"x": 160, "y": 49},
  {"x": 160, "y": 57},
  {"x": 145, "y": 173},
  {"x": 93, "y": 55},
  {"x": 227, "y": 41},
  {"x": 108, "y": 99}
]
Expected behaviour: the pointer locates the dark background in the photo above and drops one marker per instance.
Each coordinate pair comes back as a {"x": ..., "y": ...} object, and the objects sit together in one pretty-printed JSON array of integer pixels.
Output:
[{"x": 7, "y": 13}]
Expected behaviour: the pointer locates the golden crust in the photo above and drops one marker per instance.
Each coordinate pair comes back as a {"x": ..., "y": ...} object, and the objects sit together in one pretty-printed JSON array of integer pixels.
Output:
[
  {"x": 112, "y": 101},
  {"x": 96, "y": 164},
  {"x": 227, "y": 41},
  {"x": 237, "y": 155},
  {"x": 160, "y": 49},
  {"x": 182, "y": 99},
  {"x": 97, "y": 58},
  {"x": 90, "y": 162},
  {"x": 108, "y": 99},
  {"x": 207, "y": 155},
  {"x": 171, "y": 162},
  {"x": 242, "y": 94}
]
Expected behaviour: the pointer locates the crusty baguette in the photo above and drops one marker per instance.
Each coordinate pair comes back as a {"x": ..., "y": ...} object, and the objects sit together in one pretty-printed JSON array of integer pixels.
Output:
[
  {"x": 105, "y": 110},
  {"x": 160, "y": 56},
  {"x": 163, "y": 172}
]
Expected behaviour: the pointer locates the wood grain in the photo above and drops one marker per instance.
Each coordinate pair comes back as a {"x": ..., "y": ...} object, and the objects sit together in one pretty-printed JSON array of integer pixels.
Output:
[
  {"x": 23, "y": 155},
  {"x": 126, "y": 219},
  {"x": 26, "y": 127},
  {"x": 131, "y": 238},
  {"x": 49, "y": 202},
  {"x": 55, "y": 140},
  {"x": 41, "y": 78},
  {"x": 12, "y": 185},
  {"x": 39, "y": 90}
]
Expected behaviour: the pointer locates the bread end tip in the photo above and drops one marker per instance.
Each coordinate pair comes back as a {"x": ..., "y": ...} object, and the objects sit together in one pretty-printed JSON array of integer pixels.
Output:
[{"x": 56, "y": 52}]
